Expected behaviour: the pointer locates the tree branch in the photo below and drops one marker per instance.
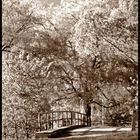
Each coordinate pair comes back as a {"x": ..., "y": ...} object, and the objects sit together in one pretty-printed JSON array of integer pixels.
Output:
[
  {"x": 121, "y": 51},
  {"x": 117, "y": 104}
]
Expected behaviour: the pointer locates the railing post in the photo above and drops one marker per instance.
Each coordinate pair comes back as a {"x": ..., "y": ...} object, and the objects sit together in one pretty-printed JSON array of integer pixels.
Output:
[
  {"x": 78, "y": 118},
  {"x": 58, "y": 118},
  {"x": 52, "y": 120},
  {"x": 67, "y": 118},
  {"x": 46, "y": 121},
  {"x": 71, "y": 118}
]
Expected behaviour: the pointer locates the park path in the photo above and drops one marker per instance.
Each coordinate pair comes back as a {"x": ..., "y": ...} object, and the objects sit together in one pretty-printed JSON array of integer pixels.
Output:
[{"x": 92, "y": 131}]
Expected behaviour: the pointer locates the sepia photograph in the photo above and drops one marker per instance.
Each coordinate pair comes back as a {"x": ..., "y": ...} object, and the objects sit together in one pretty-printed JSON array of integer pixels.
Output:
[{"x": 69, "y": 69}]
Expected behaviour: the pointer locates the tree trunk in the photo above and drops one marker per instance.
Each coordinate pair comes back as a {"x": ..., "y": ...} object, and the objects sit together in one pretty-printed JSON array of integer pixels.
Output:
[
  {"x": 26, "y": 128},
  {"x": 5, "y": 132},
  {"x": 102, "y": 116},
  {"x": 134, "y": 116},
  {"x": 16, "y": 131},
  {"x": 133, "y": 127},
  {"x": 88, "y": 113}
]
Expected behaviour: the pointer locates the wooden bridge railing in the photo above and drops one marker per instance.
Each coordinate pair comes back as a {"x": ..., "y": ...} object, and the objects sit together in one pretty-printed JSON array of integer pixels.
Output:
[{"x": 58, "y": 119}]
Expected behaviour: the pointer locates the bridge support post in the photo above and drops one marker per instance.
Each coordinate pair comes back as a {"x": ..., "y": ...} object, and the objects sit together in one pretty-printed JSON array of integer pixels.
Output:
[{"x": 71, "y": 118}]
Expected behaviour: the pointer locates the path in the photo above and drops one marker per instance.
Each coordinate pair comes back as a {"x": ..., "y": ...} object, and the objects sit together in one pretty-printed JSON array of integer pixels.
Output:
[
  {"x": 90, "y": 132},
  {"x": 82, "y": 132},
  {"x": 94, "y": 131}
]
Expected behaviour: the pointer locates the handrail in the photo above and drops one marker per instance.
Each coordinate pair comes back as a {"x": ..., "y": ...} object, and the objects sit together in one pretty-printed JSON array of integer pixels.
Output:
[
  {"x": 62, "y": 111},
  {"x": 56, "y": 119}
]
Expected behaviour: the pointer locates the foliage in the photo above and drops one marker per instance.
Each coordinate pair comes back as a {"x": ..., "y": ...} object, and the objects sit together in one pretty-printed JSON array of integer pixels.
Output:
[{"x": 78, "y": 50}]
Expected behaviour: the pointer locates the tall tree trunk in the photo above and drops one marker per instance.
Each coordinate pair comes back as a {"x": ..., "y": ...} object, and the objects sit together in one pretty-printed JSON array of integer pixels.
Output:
[
  {"x": 102, "y": 116},
  {"x": 134, "y": 115},
  {"x": 5, "y": 132},
  {"x": 26, "y": 128},
  {"x": 88, "y": 113},
  {"x": 16, "y": 130}
]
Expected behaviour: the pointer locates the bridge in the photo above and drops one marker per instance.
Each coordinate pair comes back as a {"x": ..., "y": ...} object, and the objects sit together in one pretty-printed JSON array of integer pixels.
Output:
[
  {"x": 57, "y": 119},
  {"x": 52, "y": 123},
  {"x": 69, "y": 123}
]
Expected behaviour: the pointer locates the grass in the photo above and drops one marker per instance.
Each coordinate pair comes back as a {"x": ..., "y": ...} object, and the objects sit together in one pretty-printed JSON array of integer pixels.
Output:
[{"x": 116, "y": 136}]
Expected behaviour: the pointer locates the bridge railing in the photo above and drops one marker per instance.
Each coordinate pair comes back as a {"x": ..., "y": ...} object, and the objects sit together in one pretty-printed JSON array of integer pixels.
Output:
[{"x": 58, "y": 119}]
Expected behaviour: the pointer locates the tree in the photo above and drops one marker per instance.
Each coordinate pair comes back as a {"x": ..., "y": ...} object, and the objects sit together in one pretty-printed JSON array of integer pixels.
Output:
[
  {"x": 92, "y": 33},
  {"x": 109, "y": 38},
  {"x": 16, "y": 100},
  {"x": 89, "y": 54},
  {"x": 23, "y": 20}
]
